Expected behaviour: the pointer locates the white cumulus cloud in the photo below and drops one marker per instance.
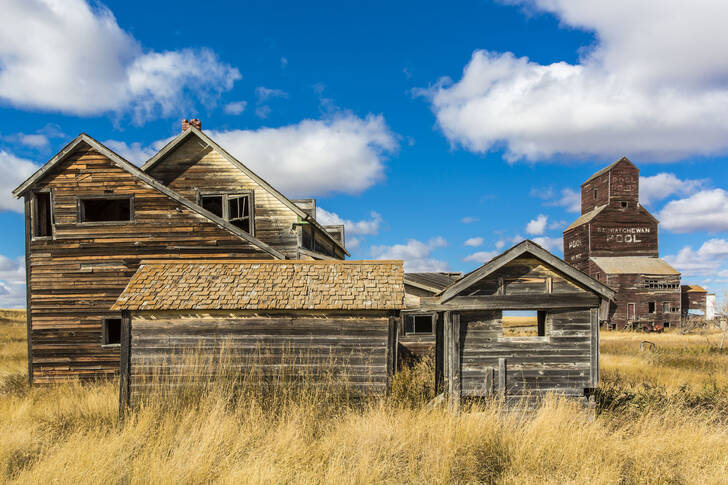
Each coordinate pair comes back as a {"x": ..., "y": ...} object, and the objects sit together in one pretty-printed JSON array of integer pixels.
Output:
[
  {"x": 315, "y": 157},
  {"x": 365, "y": 227},
  {"x": 706, "y": 260},
  {"x": 481, "y": 256},
  {"x": 474, "y": 242},
  {"x": 235, "y": 108},
  {"x": 654, "y": 86},
  {"x": 13, "y": 172},
  {"x": 537, "y": 225},
  {"x": 74, "y": 58},
  {"x": 415, "y": 254},
  {"x": 12, "y": 282},
  {"x": 706, "y": 210},
  {"x": 663, "y": 185}
]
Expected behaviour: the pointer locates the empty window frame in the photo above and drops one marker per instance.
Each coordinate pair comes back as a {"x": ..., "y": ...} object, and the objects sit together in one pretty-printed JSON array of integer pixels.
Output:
[
  {"x": 651, "y": 307},
  {"x": 666, "y": 307},
  {"x": 236, "y": 208},
  {"x": 624, "y": 204},
  {"x": 106, "y": 209},
  {"x": 524, "y": 323},
  {"x": 419, "y": 323},
  {"x": 595, "y": 194},
  {"x": 42, "y": 214},
  {"x": 112, "y": 331}
]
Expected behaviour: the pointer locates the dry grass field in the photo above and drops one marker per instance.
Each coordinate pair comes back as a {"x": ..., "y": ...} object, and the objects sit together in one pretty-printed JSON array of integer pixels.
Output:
[{"x": 662, "y": 418}]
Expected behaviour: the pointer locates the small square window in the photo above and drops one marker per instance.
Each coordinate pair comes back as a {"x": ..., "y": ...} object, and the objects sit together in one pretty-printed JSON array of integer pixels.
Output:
[
  {"x": 112, "y": 331},
  {"x": 624, "y": 204},
  {"x": 418, "y": 324},
  {"x": 651, "y": 307}
]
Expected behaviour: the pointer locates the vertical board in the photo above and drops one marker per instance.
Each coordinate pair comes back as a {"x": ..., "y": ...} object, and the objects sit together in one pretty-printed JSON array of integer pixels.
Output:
[
  {"x": 125, "y": 362},
  {"x": 28, "y": 309},
  {"x": 502, "y": 378},
  {"x": 594, "y": 347}
]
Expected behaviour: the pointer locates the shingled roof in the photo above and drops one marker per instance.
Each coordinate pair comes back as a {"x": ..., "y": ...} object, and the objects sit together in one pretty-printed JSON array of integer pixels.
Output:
[{"x": 264, "y": 285}]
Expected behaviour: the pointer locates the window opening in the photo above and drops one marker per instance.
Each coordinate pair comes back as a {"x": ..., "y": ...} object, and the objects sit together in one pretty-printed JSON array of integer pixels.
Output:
[
  {"x": 666, "y": 307},
  {"x": 624, "y": 204},
  {"x": 43, "y": 226},
  {"x": 418, "y": 324},
  {"x": 212, "y": 203},
  {"x": 524, "y": 323},
  {"x": 239, "y": 211},
  {"x": 651, "y": 307},
  {"x": 100, "y": 209},
  {"x": 112, "y": 331}
]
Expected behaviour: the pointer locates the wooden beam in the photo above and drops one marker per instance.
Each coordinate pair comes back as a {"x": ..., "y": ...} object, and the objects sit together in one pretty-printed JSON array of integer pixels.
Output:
[
  {"x": 502, "y": 380},
  {"x": 514, "y": 302},
  {"x": 453, "y": 356},
  {"x": 28, "y": 313},
  {"x": 594, "y": 376},
  {"x": 125, "y": 364}
]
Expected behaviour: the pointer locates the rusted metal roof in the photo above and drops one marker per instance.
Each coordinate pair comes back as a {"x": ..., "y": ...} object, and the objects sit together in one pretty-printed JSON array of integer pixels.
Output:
[
  {"x": 265, "y": 285},
  {"x": 431, "y": 281},
  {"x": 634, "y": 265},
  {"x": 694, "y": 289},
  {"x": 584, "y": 218}
]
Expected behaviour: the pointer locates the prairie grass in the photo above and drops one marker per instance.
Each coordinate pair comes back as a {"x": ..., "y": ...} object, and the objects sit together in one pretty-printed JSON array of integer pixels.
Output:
[{"x": 71, "y": 433}]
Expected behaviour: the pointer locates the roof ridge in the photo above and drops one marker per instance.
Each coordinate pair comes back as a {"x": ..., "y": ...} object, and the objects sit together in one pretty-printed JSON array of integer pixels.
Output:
[{"x": 272, "y": 261}]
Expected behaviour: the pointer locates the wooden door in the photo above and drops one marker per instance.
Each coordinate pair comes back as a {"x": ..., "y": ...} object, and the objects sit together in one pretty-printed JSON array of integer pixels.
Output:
[{"x": 630, "y": 311}]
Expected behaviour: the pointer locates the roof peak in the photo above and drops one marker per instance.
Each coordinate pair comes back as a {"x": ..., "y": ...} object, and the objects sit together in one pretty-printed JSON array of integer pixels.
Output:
[{"x": 608, "y": 168}]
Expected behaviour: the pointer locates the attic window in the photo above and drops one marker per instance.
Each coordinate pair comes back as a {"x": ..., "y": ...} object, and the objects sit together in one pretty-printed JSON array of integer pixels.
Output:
[
  {"x": 235, "y": 208},
  {"x": 595, "y": 194},
  {"x": 524, "y": 324},
  {"x": 624, "y": 204},
  {"x": 112, "y": 331},
  {"x": 651, "y": 307},
  {"x": 419, "y": 324},
  {"x": 105, "y": 209},
  {"x": 43, "y": 223}
]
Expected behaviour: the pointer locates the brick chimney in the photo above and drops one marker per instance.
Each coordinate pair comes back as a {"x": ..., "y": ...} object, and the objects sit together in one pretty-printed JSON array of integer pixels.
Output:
[{"x": 193, "y": 122}]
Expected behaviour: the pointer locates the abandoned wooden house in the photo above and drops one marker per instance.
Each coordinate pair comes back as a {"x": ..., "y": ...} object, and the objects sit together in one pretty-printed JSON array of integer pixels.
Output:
[
  {"x": 290, "y": 317},
  {"x": 615, "y": 240},
  {"x": 92, "y": 217},
  {"x": 695, "y": 301},
  {"x": 476, "y": 356}
]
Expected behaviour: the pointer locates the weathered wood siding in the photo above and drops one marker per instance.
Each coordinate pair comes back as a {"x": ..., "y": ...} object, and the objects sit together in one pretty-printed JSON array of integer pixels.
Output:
[
  {"x": 561, "y": 361},
  {"x": 193, "y": 168},
  {"x": 576, "y": 247},
  {"x": 693, "y": 300},
  {"x": 75, "y": 277},
  {"x": 359, "y": 349},
  {"x": 623, "y": 232},
  {"x": 631, "y": 288}
]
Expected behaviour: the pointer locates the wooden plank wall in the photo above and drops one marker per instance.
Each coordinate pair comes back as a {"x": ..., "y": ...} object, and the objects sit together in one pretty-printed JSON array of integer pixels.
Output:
[
  {"x": 76, "y": 277},
  {"x": 360, "y": 349},
  {"x": 559, "y": 362}
]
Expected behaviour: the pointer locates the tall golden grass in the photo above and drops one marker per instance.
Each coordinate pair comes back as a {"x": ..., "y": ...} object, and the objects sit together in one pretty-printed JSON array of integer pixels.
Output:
[{"x": 71, "y": 433}]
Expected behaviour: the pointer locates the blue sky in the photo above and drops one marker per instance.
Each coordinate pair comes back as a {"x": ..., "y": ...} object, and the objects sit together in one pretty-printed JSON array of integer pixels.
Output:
[{"x": 421, "y": 125}]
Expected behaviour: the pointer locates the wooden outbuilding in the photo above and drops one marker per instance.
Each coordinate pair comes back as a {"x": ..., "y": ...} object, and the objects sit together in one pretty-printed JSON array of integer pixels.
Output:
[
  {"x": 290, "y": 316},
  {"x": 477, "y": 358},
  {"x": 694, "y": 299}
]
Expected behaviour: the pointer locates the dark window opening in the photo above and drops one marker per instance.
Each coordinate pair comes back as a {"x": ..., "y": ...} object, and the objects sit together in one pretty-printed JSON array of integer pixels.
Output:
[
  {"x": 239, "y": 211},
  {"x": 666, "y": 325},
  {"x": 212, "y": 203},
  {"x": 595, "y": 194},
  {"x": 106, "y": 210},
  {"x": 43, "y": 226},
  {"x": 418, "y": 324},
  {"x": 651, "y": 307},
  {"x": 524, "y": 323},
  {"x": 112, "y": 331},
  {"x": 599, "y": 277},
  {"x": 624, "y": 204}
]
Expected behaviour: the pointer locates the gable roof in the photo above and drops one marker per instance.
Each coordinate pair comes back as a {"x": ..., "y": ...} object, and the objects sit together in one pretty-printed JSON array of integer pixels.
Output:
[
  {"x": 264, "y": 285},
  {"x": 83, "y": 138},
  {"x": 169, "y": 147},
  {"x": 693, "y": 289},
  {"x": 434, "y": 282},
  {"x": 634, "y": 265},
  {"x": 526, "y": 247},
  {"x": 610, "y": 167}
]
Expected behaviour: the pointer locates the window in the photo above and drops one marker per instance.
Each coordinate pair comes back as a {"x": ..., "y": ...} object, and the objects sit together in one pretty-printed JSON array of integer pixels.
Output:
[
  {"x": 43, "y": 215},
  {"x": 112, "y": 331},
  {"x": 651, "y": 307},
  {"x": 595, "y": 194},
  {"x": 666, "y": 325},
  {"x": 624, "y": 204},
  {"x": 105, "y": 209},
  {"x": 599, "y": 276},
  {"x": 524, "y": 323},
  {"x": 666, "y": 307},
  {"x": 418, "y": 324},
  {"x": 234, "y": 208}
]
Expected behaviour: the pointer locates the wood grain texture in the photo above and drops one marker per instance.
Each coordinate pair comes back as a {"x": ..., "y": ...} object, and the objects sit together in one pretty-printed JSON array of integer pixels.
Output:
[{"x": 356, "y": 348}]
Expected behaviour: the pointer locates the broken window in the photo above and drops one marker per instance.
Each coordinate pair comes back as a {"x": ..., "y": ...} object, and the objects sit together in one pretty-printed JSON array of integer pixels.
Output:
[
  {"x": 651, "y": 307},
  {"x": 234, "y": 208},
  {"x": 666, "y": 307},
  {"x": 43, "y": 224},
  {"x": 524, "y": 323},
  {"x": 239, "y": 211},
  {"x": 105, "y": 209},
  {"x": 418, "y": 324},
  {"x": 112, "y": 331}
]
